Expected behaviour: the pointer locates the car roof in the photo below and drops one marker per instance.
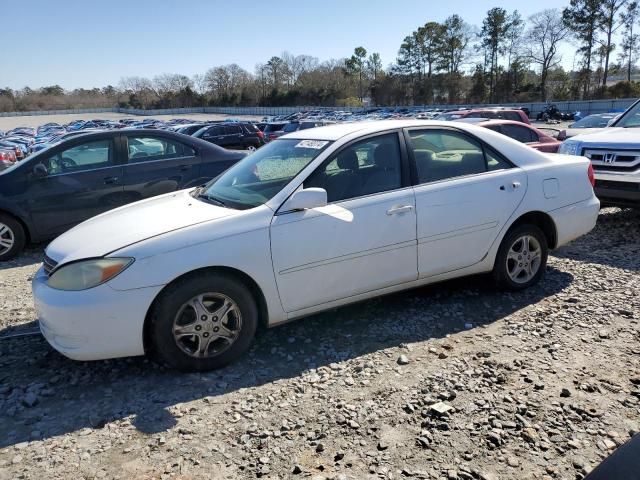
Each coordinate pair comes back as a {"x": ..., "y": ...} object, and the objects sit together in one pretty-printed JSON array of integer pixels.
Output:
[{"x": 339, "y": 130}]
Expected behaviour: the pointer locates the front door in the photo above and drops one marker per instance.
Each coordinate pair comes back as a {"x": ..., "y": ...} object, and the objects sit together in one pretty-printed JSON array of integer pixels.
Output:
[
  {"x": 83, "y": 181},
  {"x": 157, "y": 165},
  {"x": 465, "y": 194},
  {"x": 363, "y": 240}
]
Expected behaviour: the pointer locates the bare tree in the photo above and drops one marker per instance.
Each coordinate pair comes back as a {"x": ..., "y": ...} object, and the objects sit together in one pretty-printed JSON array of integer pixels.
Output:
[{"x": 546, "y": 31}]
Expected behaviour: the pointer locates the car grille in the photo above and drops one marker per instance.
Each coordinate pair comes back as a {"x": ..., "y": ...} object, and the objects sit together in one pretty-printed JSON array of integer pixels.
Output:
[
  {"x": 605, "y": 160},
  {"x": 49, "y": 265}
]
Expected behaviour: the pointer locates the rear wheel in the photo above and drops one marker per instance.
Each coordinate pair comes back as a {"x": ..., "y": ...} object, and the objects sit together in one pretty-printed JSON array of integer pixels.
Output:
[
  {"x": 12, "y": 237},
  {"x": 204, "y": 322},
  {"x": 522, "y": 258}
]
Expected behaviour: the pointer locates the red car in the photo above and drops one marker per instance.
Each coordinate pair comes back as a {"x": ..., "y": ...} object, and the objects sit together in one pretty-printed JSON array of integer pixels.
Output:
[
  {"x": 518, "y": 131},
  {"x": 490, "y": 113}
]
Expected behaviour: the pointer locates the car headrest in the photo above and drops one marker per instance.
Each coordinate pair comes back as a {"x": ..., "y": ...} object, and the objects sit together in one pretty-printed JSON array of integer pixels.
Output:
[
  {"x": 348, "y": 160},
  {"x": 386, "y": 156}
]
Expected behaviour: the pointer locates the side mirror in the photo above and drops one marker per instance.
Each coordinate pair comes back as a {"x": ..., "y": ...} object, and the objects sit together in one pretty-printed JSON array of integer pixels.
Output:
[
  {"x": 305, "y": 199},
  {"x": 610, "y": 122},
  {"x": 40, "y": 171}
]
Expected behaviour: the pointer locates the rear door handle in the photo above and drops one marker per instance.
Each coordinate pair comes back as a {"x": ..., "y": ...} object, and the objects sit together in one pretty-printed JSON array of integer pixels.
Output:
[
  {"x": 397, "y": 210},
  {"x": 185, "y": 167},
  {"x": 110, "y": 180}
]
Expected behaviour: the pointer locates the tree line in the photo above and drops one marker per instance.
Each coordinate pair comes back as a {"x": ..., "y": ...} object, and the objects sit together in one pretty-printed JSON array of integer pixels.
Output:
[{"x": 506, "y": 59}]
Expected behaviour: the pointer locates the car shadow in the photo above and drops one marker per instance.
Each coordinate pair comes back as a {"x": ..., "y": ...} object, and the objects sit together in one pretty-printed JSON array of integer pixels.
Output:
[
  {"x": 43, "y": 394},
  {"x": 618, "y": 234},
  {"x": 29, "y": 256}
]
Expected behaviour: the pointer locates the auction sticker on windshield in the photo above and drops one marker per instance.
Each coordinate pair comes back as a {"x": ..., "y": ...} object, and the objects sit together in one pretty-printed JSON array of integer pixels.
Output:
[{"x": 315, "y": 144}]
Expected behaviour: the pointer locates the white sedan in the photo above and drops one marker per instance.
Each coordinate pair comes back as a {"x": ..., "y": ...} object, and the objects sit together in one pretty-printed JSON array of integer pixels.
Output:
[{"x": 314, "y": 220}]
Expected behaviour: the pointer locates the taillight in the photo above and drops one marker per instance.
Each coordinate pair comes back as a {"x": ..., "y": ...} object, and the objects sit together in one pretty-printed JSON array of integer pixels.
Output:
[
  {"x": 591, "y": 175},
  {"x": 272, "y": 136},
  {"x": 7, "y": 156},
  {"x": 260, "y": 135}
]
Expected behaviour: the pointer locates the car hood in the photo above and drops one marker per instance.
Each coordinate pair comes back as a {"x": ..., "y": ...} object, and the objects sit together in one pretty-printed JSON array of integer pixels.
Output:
[
  {"x": 131, "y": 224},
  {"x": 611, "y": 137},
  {"x": 572, "y": 132}
]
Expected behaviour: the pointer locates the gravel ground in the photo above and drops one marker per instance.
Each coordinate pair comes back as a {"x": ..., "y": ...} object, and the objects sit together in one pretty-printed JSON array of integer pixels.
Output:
[{"x": 452, "y": 381}]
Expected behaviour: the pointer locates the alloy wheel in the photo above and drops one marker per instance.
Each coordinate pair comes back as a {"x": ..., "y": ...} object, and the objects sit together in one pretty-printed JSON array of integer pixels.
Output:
[
  {"x": 207, "y": 325},
  {"x": 7, "y": 238},
  {"x": 524, "y": 258}
]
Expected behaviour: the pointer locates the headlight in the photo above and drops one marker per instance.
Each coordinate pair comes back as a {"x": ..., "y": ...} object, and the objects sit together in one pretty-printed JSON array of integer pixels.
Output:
[
  {"x": 87, "y": 273},
  {"x": 568, "y": 147}
]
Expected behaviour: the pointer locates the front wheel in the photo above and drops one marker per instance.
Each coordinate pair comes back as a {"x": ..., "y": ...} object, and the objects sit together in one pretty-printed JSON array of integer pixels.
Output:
[
  {"x": 203, "y": 322},
  {"x": 522, "y": 258}
]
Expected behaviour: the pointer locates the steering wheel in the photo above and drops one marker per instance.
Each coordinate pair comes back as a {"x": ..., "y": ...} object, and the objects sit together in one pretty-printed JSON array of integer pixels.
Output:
[{"x": 66, "y": 163}]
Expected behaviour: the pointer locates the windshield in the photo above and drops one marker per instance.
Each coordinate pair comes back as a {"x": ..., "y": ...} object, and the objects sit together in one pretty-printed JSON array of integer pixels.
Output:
[
  {"x": 259, "y": 177},
  {"x": 630, "y": 118},
  {"x": 592, "y": 121}
]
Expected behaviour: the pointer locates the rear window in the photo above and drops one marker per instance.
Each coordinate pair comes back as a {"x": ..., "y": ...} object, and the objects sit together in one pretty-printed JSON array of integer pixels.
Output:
[
  {"x": 274, "y": 127},
  {"x": 292, "y": 127}
]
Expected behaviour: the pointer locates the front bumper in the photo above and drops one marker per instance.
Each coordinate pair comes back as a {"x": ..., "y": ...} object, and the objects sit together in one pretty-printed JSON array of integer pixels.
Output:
[
  {"x": 93, "y": 324},
  {"x": 618, "y": 188}
]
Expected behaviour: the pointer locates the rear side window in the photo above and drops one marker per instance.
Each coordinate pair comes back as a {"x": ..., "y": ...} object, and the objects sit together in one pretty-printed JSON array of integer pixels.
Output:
[
  {"x": 445, "y": 154},
  {"x": 144, "y": 149},
  {"x": 232, "y": 129},
  {"x": 521, "y": 134}
]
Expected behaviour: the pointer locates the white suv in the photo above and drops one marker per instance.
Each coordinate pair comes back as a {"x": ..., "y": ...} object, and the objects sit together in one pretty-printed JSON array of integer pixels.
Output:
[{"x": 615, "y": 156}]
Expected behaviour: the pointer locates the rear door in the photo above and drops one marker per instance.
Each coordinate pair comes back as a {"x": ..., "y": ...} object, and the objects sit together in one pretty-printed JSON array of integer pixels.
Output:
[
  {"x": 157, "y": 164},
  {"x": 84, "y": 180},
  {"x": 465, "y": 193},
  {"x": 234, "y": 137}
]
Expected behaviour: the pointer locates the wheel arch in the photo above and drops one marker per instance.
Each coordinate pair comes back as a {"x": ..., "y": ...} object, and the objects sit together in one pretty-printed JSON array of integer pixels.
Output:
[
  {"x": 541, "y": 220},
  {"x": 247, "y": 280}
]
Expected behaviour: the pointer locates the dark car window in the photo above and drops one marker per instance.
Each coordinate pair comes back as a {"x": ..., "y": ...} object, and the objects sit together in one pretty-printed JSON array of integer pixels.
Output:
[
  {"x": 512, "y": 116},
  {"x": 214, "y": 131},
  {"x": 521, "y": 134},
  {"x": 143, "y": 149},
  {"x": 86, "y": 156},
  {"x": 232, "y": 129},
  {"x": 291, "y": 127},
  {"x": 366, "y": 167},
  {"x": 274, "y": 127}
]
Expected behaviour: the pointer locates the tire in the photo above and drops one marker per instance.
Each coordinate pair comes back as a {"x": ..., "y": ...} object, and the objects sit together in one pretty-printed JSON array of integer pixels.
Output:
[
  {"x": 178, "y": 312},
  {"x": 510, "y": 253},
  {"x": 12, "y": 237}
]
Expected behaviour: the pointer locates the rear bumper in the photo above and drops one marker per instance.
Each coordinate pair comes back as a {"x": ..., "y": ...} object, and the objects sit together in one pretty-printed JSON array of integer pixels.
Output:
[{"x": 575, "y": 220}]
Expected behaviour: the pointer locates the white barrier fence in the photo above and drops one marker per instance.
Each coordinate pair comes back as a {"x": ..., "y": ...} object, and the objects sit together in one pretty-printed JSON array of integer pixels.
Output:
[{"x": 585, "y": 107}]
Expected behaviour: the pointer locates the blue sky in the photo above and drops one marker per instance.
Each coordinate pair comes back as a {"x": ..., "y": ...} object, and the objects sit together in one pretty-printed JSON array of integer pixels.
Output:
[{"x": 83, "y": 43}]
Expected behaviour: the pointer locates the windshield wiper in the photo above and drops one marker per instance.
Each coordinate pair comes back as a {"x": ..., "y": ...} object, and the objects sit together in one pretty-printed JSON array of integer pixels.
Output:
[{"x": 212, "y": 199}]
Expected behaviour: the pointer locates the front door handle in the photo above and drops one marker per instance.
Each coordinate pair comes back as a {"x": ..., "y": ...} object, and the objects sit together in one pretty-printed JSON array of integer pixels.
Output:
[
  {"x": 110, "y": 180},
  {"x": 397, "y": 210},
  {"x": 514, "y": 186}
]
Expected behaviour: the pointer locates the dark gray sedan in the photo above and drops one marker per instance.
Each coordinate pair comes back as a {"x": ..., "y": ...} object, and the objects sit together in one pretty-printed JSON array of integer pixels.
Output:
[{"x": 61, "y": 186}]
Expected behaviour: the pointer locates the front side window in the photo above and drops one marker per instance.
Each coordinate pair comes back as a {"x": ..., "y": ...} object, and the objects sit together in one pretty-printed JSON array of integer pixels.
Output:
[
  {"x": 363, "y": 168},
  {"x": 444, "y": 154},
  {"x": 144, "y": 149},
  {"x": 259, "y": 177},
  {"x": 87, "y": 156}
]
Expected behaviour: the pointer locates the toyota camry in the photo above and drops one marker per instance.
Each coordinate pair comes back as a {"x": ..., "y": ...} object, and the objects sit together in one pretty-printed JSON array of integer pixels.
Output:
[{"x": 314, "y": 220}]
